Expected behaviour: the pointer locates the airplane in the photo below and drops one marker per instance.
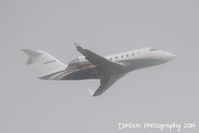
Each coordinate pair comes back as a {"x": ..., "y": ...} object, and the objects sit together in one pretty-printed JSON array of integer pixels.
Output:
[{"x": 90, "y": 65}]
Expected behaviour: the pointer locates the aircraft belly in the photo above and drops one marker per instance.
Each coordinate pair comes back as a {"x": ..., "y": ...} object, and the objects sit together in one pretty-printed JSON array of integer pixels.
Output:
[{"x": 89, "y": 73}]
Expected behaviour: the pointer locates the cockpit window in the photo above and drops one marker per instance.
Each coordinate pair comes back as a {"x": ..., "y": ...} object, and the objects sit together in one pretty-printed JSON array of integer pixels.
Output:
[{"x": 153, "y": 49}]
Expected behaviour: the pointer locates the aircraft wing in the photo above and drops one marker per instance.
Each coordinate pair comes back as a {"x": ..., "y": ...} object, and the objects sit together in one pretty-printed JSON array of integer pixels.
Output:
[
  {"x": 105, "y": 83},
  {"x": 103, "y": 65}
]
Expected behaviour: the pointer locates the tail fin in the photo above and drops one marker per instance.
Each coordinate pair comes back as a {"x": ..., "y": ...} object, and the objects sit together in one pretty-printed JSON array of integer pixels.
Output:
[{"x": 45, "y": 62}]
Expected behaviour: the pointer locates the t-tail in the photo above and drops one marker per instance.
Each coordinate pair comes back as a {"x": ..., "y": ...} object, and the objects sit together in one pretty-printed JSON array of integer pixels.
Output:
[{"x": 45, "y": 62}]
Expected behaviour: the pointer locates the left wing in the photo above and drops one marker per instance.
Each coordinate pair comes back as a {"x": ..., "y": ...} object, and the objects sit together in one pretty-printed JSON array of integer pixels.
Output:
[{"x": 103, "y": 65}]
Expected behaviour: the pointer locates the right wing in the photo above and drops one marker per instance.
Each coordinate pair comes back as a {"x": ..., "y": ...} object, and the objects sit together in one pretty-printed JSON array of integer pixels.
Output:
[
  {"x": 109, "y": 71},
  {"x": 105, "y": 83},
  {"x": 103, "y": 65}
]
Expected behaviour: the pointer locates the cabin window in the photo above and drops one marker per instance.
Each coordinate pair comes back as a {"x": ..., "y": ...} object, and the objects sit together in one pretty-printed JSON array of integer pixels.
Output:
[
  {"x": 127, "y": 55},
  {"x": 121, "y": 56},
  {"x": 153, "y": 49},
  {"x": 116, "y": 57},
  {"x": 132, "y": 54},
  {"x": 110, "y": 58}
]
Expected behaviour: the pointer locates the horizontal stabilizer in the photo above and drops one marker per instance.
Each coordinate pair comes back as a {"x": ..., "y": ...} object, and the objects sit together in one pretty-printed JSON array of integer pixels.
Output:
[
  {"x": 31, "y": 54},
  {"x": 29, "y": 61}
]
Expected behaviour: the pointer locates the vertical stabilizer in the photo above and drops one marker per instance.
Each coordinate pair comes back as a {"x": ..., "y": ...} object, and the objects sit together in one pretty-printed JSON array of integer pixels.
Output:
[{"x": 44, "y": 61}]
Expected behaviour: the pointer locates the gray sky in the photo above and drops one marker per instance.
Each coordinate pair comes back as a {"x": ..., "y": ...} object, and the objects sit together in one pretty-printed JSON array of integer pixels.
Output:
[{"x": 165, "y": 93}]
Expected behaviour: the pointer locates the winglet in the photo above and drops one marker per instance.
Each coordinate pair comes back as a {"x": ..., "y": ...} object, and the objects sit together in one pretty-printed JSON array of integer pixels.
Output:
[
  {"x": 78, "y": 47},
  {"x": 91, "y": 92},
  {"x": 76, "y": 44}
]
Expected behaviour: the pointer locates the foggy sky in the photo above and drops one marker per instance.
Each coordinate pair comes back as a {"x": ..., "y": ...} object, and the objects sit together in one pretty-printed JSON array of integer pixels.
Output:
[{"x": 165, "y": 93}]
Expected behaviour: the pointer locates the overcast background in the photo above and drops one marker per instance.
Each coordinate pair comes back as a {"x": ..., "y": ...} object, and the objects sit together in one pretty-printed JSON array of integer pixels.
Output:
[{"x": 165, "y": 93}]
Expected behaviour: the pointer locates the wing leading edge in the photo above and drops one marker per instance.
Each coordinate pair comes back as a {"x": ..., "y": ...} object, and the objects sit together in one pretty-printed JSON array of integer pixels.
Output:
[
  {"x": 107, "y": 82},
  {"x": 102, "y": 64},
  {"x": 109, "y": 71}
]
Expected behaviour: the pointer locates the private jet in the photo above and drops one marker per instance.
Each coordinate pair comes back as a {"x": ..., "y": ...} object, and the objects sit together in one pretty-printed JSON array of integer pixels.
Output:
[{"x": 107, "y": 69}]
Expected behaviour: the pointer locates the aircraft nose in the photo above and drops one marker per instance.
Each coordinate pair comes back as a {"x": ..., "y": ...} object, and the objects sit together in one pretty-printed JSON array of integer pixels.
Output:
[{"x": 170, "y": 56}]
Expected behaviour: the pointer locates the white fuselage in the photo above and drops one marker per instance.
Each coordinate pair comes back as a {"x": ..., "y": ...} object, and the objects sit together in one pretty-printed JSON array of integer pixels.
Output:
[{"x": 136, "y": 59}]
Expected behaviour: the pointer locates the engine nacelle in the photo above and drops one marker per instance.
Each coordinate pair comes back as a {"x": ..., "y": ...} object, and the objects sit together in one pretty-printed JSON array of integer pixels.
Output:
[
  {"x": 82, "y": 59},
  {"x": 79, "y": 63}
]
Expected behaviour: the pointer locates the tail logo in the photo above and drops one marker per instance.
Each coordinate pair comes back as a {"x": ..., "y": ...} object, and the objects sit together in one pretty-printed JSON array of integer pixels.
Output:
[{"x": 49, "y": 62}]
